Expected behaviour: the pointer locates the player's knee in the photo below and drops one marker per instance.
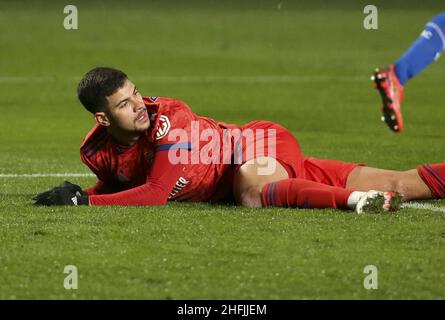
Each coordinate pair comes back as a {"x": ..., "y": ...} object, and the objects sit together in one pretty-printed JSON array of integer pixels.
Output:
[{"x": 250, "y": 197}]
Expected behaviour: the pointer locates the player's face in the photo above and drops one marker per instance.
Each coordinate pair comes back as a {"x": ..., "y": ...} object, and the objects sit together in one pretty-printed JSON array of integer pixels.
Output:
[{"x": 126, "y": 110}]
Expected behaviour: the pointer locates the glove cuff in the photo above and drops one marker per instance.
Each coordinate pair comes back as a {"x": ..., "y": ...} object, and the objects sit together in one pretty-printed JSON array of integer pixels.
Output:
[{"x": 83, "y": 200}]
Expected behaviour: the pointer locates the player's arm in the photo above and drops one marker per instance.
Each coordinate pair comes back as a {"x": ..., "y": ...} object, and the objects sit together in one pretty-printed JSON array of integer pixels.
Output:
[{"x": 160, "y": 181}]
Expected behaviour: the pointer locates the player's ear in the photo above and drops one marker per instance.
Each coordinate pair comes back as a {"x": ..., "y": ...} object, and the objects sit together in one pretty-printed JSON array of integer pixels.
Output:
[{"x": 102, "y": 119}]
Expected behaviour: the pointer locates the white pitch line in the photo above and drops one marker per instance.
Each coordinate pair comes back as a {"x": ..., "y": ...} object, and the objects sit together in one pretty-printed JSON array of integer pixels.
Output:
[
  {"x": 423, "y": 206},
  {"x": 45, "y": 175}
]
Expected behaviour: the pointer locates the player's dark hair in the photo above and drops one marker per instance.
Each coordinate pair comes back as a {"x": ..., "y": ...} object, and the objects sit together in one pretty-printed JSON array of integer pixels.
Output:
[{"x": 97, "y": 84}]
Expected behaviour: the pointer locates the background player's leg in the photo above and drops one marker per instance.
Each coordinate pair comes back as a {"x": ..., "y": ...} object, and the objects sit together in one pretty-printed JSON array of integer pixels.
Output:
[
  {"x": 409, "y": 183},
  {"x": 426, "y": 49},
  {"x": 391, "y": 80}
]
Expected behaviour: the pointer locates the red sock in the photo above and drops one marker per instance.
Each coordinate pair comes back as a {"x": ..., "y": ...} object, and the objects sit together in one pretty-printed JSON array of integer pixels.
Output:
[
  {"x": 303, "y": 194},
  {"x": 434, "y": 177}
]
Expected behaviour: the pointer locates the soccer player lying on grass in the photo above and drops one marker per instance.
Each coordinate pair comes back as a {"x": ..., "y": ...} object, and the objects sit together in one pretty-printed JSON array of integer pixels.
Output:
[
  {"x": 391, "y": 80},
  {"x": 146, "y": 151}
]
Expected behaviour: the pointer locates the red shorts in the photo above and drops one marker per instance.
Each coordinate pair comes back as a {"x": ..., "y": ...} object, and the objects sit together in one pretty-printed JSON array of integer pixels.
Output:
[{"x": 288, "y": 153}]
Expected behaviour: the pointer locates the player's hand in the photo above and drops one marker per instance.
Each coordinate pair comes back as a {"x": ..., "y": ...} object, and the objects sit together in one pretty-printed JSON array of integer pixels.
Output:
[
  {"x": 65, "y": 185},
  {"x": 64, "y": 194}
]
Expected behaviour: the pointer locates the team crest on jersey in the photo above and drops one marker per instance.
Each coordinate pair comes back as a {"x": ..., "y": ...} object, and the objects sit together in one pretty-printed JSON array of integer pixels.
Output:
[{"x": 163, "y": 127}]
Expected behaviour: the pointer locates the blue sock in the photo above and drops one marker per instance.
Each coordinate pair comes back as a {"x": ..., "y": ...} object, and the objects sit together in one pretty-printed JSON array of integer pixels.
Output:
[{"x": 423, "y": 51}]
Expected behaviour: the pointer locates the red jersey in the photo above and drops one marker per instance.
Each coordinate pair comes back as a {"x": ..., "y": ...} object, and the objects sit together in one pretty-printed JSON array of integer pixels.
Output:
[{"x": 147, "y": 163}]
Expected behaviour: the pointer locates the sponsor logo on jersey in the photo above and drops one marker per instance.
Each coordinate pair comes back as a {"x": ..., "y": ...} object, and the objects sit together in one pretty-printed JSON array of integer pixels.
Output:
[
  {"x": 163, "y": 127},
  {"x": 179, "y": 185}
]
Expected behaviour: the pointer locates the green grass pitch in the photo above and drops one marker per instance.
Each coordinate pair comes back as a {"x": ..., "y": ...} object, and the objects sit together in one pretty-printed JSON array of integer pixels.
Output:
[{"x": 305, "y": 66}]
